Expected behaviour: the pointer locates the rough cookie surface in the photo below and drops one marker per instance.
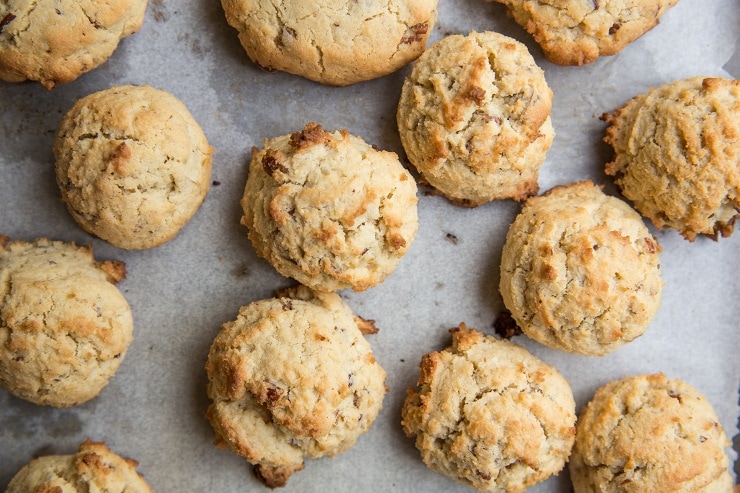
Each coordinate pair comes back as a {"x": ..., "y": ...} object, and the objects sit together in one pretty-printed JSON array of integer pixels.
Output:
[
  {"x": 56, "y": 41},
  {"x": 580, "y": 271},
  {"x": 64, "y": 326},
  {"x": 292, "y": 377},
  {"x": 489, "y": 414},
  {"x": 648, "y": 433},
  {"x": 132, "y": 165},
  {"x": 329, "y": 210},
  {"x": 333, "y": 42},
  {"x": 474, "y": 118},
  {"x": 94, "y": 468},
  {"x": 677, "y": 155},
  {"x": 576, "y": 32}
]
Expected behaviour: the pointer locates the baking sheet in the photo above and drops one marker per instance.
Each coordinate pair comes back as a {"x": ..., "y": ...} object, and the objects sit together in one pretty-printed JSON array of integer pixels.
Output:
[{"x": 181, "y": 292}]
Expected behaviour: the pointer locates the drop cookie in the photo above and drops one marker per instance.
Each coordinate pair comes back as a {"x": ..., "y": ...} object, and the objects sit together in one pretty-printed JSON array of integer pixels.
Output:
[
  {"x": 677, "y": 155},
  {"x": 489, "y": 414},
  {"x": 292, "y": 377},
  {"x": 333, "y": 42},
  {"x": 474, "y": 118},
  {"x": 132, "y": 164},
  {"x": 580, "y": 271},
  {"x": 649, "y": 433},
  {"x": 56, "y": 41},
  {"x": 578, "y": 32},
  {"x": 64, "y": 326},
  {"x": 329, "y": 210},
  {"x": 93, "y": 468}
]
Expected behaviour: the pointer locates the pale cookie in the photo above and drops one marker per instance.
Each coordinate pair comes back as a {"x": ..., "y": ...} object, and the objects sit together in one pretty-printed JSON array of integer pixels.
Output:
[
  {"x": 580, "y": 271},
  {"x": 329, "y": 210},
  {"x": 56, "y": 41},
  {"x": 132, "y": 165},
  {"x": 94, "y": 468},
  {"x": 489, "y": 414},
  {"x": 648, "y": 433},
  {"x": 677, "y": 155},
  {"x": 474, "y": 118},
  {"x": 576, "y": 32},
  {"x": 292, "y": 377},
  {"x": 64, "y": 326},
  {"x": 336, "y": 42}
]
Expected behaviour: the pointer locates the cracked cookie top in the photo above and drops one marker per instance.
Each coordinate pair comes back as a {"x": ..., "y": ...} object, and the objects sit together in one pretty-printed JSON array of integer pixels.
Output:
[
  {"x": 580, "y": 271},
  {"x": 474, "y": 118},
  {"x": 132, "y": 165},
  {"x": 329, "y": 210},
  {"x": 330, "y": 41},
  {"x": 56, "y": 41},
  {"x": 489, "y": 414},
  {"x": 93, "y": 468},
  {"x": 64, "y": 326},
  {"x": 677, "y": 155},
  {"x": 649, "y": 433},
  {"x": 576, "y": 32},
  {"x": 292, "y": 377}
]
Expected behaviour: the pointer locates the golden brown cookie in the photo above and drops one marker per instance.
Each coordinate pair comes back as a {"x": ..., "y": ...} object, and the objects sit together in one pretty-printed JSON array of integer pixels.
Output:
[
  {"x": 94, "y": 468},
  {"x": 336, "y": 42},
  {"x": 329, "y": 210},
  {"x": 648, "y": 433},
  {"x": 292, "y": 377},
  {"x": 576, "y": 32},
  {"x": 64, "y": 326},
  {"x": 474, "y": 118},
  {"x": 580, "y": 271},
  {"x": 677, "y": 155},
  {"x": 56, "y": 41},
  {"x": 489, "y": 414},
  {"x": 132, "y": 165}
]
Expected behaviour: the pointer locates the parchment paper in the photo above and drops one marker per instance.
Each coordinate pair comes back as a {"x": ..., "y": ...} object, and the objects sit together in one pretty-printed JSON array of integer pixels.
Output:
[{"x": 180, "y": 293}]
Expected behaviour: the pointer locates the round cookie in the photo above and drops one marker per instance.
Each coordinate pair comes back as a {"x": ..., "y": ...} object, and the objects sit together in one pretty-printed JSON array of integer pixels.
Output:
[
  {"x": 578, "y": 32},
  {"x": 677, "y": 155},
  {"x": 489, "y": 414},
  {"x": 292, "y": 377},
  {"x": 56, "y": 41},
  {"x": 64, "y": 326},
  {"x": 333, "y": 42},
  {"x": 329, "y": 210},
  {"x": 648, "y": 433},
  {"x": 580, "y": 271},
  {"x": 474, "y": 118},
  {"x": 93, "y": 468},
  {"x": 132, "y": 165}
]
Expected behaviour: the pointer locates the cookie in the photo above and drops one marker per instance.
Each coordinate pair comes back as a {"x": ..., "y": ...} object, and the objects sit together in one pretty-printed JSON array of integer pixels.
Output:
[
  {"x": 489, "y": 414},
  {"x": 580, "y": 271},
  {"x": 677, "y": 155},
  {"x": 292, "y": 377},
  {"x": 333, "y": 42},
  {"x": 329, "y": 210},
  {"x": 576, "y": 33},
  {"x": 64, "y": 326},
  {"x": 93, "y": 468},
  {"x": 56, "y": 41},
  {"x": 648, "y": 433},
  {"x": 474, "y": 118},
  {"x": 132, "y": 164}
]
